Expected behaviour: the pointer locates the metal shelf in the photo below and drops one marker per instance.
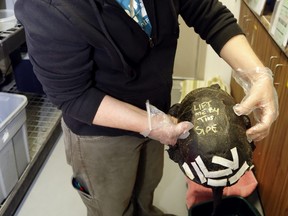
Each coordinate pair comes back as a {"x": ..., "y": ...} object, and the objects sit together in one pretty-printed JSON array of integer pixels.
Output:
[
  {"x": 43, "y": 128},
  {"x": 10, "y": 40}
]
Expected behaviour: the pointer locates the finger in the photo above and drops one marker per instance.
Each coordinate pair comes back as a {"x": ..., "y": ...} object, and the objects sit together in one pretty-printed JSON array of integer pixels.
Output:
[
  {"x": 262, "y": 128},
  {"x": 184, "y": 135},
  {"x": 187, "y": 125},
  {"x": 167, "y": 140},
  {"x": 154, "y": 110},
  {"x": 246, "y": 106},
  {"x": 171, "y": 142},
  {"x": 257, "y": 132},
  {"x": 257, "y": 137},
  {"x": 184, "y": 128}
]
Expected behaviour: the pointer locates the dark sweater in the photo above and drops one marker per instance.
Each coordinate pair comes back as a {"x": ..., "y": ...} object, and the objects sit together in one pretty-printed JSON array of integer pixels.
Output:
[{"x": 82, "y": 50}]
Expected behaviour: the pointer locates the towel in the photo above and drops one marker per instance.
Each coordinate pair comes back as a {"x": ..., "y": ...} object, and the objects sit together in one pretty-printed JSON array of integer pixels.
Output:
[
  {"x": 197, "y": 193},
  {"x": 189, "y": 85}
]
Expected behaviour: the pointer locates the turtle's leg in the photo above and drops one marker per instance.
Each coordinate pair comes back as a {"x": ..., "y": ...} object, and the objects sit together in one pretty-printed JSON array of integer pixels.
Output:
[{"x": 217, "y": 197}]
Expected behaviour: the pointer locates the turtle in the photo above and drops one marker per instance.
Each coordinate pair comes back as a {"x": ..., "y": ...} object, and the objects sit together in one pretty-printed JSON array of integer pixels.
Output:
[{"x": 216, "y": 153}]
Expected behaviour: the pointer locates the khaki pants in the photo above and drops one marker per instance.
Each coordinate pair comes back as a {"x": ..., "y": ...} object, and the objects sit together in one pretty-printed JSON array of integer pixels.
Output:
[{"x": 118, "y": 175}]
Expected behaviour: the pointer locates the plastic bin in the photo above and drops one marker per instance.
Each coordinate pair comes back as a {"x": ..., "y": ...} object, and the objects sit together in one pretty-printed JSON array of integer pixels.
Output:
[
  {"x": 25, "y": 78},
  {"x": 230, "y": 206},
  {"x": 14, "y": 151},
  {"x": 7, "y": 19}
]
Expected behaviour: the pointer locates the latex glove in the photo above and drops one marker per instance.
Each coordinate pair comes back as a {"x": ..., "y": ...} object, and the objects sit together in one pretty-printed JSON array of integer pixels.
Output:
[
  {"x": 261, "y": 99},
  {"x": 165, "y": 128}
]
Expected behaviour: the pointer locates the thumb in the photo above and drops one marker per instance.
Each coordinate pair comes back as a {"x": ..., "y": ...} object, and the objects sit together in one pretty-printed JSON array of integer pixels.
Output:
[
  {"x": 154, "y": 110},
  {"x": 184, "y": 128},
  {"x": 247, "y": 105}
]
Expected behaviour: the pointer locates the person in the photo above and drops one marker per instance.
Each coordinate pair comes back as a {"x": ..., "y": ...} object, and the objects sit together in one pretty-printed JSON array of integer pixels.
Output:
[{"x": 100, "y": 64}]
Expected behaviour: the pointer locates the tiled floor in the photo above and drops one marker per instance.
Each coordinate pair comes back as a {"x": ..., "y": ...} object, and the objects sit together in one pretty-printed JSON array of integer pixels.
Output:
[{"x": 52, "y": 195}]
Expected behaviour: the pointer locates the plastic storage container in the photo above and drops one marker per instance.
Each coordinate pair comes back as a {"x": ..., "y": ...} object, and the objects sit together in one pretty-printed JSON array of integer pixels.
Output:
[
  {"x": 230, "y": 206},
  {"x": 14, "y": 151},
  {"x": 7, "y": 19},
  {"x": 26, "y": 80}
]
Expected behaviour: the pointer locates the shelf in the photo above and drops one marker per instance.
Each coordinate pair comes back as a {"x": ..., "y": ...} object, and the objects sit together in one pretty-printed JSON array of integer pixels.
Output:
[
  {"x": 265, "y": 20},
  {"x": 43, "y": 128},
  {"x": 10, "y": 40}
]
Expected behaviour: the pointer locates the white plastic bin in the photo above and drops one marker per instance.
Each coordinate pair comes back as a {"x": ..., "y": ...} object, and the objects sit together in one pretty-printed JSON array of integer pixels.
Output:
[
  {"x": 14, "y": 151},
  {"x": 7, "y": 19}
]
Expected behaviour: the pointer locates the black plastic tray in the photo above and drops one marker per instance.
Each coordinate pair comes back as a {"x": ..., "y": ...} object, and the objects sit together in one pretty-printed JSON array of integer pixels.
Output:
[{"x": 230, "y": 206}]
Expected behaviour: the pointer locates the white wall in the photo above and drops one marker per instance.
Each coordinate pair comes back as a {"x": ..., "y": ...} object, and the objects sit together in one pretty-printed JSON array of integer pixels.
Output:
[
  {"x": 187, "y": 60},
  {"x": 195, "y": 59},
  {"x": 10, "y": 4},
  {"x": 214, "y": 65}
]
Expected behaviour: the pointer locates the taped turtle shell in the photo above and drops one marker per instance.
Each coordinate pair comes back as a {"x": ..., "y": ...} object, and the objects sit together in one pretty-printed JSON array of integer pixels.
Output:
[{"x": 217, "y": 152}]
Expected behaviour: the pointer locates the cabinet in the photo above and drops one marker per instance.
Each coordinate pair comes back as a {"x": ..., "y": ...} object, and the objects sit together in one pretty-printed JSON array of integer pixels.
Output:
[{"x": 270, "y": 156}]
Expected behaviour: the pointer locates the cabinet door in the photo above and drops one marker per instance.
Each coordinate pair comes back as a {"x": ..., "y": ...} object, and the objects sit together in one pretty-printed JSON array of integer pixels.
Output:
[
  {"x": 271, "y": 154},
  {"x": 272, "y": 60},
  {"x": 272, "y": 55},
  {"x": 259, "y": 40},
  {"x": 244, "y": 14},
  {"x": 280, "y": 187},
  {"x": 246, "y": 21},
  {"x": 282, "y": 205},
  {"x": 245, "y": 18}
]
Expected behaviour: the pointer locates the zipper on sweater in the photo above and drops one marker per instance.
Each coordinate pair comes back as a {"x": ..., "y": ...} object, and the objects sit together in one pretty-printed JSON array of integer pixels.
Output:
[
  {"x": 150, "y": 38},
  {"x": 151, "y": 42},
  {"x": 150, "y": 10},
  {"x": 126, "y": 67}
]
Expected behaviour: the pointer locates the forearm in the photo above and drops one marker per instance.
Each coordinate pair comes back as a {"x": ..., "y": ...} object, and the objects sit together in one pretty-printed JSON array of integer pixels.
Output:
[
  {"x": 257, "y": 82},
  {"x": 117, "y": 114},
  {"x": 238, "y": 53}
]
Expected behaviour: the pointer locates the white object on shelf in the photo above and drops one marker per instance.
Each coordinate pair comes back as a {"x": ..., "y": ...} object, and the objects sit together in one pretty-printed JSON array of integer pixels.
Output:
[
  {"x": 14, "y": 150},
  {"x": 7, "y": 19},
  {"x": 257, "y": 6},
  {"x": 279, "y": 23}
]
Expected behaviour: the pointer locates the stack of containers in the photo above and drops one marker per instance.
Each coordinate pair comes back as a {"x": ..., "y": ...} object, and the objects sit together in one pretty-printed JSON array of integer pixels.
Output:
[{"x": 14, "y": 150}]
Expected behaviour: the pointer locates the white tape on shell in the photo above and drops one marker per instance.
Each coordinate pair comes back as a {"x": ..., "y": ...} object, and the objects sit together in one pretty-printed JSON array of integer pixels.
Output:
[
  {"x": 212, "y": 174},
  {"x": 240, "y": 172},
  {"x": 199, "y": 173},
  {"x": 188, "y": 171},
  {"x": 217, "y": 182},
  {"x": 234, "y": 164}
]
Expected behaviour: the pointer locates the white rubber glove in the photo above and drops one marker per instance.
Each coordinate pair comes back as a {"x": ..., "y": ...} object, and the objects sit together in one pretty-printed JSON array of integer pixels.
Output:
[
  {"x": 165, "y": 128},
  {"x": 261, "y": 98}
]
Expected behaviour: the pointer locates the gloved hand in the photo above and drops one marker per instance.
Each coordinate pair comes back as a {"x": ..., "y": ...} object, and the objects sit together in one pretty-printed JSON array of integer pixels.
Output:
[
  {"x": 165, "y": 128},
  {"x": 261, "y": 98}
]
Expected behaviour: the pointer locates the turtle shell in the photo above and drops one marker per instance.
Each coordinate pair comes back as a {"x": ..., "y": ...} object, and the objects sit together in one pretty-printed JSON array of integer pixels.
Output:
[{"x": 217, "y": 152}]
